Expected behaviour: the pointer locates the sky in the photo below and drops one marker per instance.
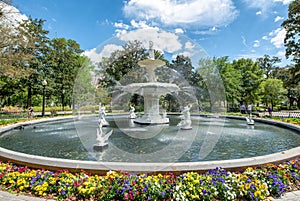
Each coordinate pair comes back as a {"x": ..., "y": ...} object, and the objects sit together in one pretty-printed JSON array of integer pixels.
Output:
[{"x": 234, "y": 28}]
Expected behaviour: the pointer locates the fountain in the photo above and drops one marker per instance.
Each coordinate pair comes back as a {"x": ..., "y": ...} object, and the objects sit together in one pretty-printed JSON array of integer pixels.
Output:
[
  {"x": 151, "y": 91},
  {"x": 139, "y": 144}
]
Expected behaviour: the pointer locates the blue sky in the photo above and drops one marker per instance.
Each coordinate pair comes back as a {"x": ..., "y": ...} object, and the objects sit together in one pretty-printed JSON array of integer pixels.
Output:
[{"x": 234, "y": 28}]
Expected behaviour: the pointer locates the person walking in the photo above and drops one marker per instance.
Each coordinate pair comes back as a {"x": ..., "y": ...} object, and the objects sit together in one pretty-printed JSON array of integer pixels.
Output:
[
  {"x": 30, "y": 112},
  {"x": 249, "y": 108},
  {"x": 270, "y": 110},
  {"x": 243, "y": 109}
]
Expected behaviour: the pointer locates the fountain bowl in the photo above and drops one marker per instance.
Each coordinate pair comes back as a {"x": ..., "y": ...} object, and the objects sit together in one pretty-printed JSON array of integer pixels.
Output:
[{"x": 151, "y": 88}]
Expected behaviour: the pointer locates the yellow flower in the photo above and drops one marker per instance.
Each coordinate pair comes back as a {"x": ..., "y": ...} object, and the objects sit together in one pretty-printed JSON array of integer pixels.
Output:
[
  {"x": 195, "y": 196},
  {"x": 257, "y": 193},
  {"x": 264, "y": 187},
  {"x": 52, "y": 181}
]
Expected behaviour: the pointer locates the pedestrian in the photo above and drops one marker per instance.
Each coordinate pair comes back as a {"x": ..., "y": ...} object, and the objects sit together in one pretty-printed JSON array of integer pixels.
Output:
[
  {"x": 249, "y": 109},
  {"x": 30, "y": 112},
  {"x": 243, "y": 109},
  {"x": 270, "y": 110}
]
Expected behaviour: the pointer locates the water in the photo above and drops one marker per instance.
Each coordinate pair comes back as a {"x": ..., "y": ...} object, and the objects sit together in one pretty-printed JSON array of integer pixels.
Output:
[{"x": 210, "y": 139}]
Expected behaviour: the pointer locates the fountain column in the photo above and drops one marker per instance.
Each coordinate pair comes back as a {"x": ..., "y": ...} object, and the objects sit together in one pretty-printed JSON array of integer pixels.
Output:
[{"x": 151, "y": 105}]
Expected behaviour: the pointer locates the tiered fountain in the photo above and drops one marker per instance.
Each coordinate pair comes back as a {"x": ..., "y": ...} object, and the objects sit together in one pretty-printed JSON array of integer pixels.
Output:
[{"x": 151, "y": 91}]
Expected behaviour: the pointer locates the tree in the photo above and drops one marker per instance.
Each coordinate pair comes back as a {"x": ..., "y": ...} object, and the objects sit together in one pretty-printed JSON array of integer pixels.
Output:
[
  {"x": 13, "y": 40},
  {"x": 267, "y": 64},
  {"x": 231, "y": 79},
  {"x": 36, "y": 37},
  {"x": 211, "y": 85},
  {"x": 183, "y": 65},
  {"x": 121, "y": 62},
  {"x": 63, "y": 63},
  {"x": 292, "y": 37},
  {"x": 272, "y": 91},
  {"x": 252, "y": 76},
  {"x": 122, "y": 68},
  {"x": 84, "y": 91}
]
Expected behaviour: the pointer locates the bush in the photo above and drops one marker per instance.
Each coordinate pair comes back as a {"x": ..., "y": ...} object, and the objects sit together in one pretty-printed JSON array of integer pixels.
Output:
[{"x": 50, "y": 109}]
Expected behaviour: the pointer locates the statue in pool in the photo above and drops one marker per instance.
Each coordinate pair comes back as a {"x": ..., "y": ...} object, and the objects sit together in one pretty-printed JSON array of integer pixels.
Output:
[
  {"x": 102, "y": 138},
  {"x": 102, "y": 115},
  {"x": 185, "y": 123},
  {"x": 132, "y": 115}
]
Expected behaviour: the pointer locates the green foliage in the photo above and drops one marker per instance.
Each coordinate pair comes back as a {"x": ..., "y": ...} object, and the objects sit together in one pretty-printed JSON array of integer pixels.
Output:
[
  {"x": 83, "y": 91},
  {"x": 252, "y": 76},
  {"x": 267, "y": 64},
  {"x": 231, "y": 78},
  {"x": 272, "y": 91},
  {"x": 211, "y": 84},
  {"x": 292, "y": 27},
  {"x": 121, "y": 62}
]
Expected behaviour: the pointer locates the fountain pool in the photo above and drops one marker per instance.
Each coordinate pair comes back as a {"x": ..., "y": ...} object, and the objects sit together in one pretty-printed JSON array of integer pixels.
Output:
[{"x": 160, "y": 144}]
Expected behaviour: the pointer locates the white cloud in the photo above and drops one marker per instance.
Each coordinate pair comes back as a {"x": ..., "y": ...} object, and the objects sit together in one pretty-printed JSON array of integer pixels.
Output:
[
  {"x": 185, "y": 53},
  {"x": 278, "y": 18},
  {"x": 244, "y": 41},
  {"x": 11, "y": 15},
  {"x": 163, "y": 41},
  {"x": 184, "y": 13},
  {"x": 262, "y": 5},
  {"x": 256, "y": 43},
  {"x": 278, "y": 36},
  {"x": 285, "y": 2},
  {"x": 281, "y": 54},
  {"x": 265, "y": 38},
  {"x": 120, "y": 31},
  {"x": 121, "y": 25},
  {"x": 189, "y": 45},
  {"x": 167, "y": 43},
  {"x": 179, "y": 31},
  {"x": 96, "y": 56},
  {"x": 140, "y": 24}
]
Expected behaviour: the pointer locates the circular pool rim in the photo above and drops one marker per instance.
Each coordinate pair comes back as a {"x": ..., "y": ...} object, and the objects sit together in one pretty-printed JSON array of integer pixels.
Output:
[{"x": 99, "y": 167}]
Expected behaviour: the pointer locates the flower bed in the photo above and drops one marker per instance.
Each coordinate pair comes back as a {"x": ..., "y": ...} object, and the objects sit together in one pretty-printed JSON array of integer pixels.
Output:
[{"x": 217, "y": 184}]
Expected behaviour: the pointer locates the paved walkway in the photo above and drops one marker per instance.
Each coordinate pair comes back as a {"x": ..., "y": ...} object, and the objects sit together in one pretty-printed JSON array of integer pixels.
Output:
[
  {"x": 6, "y": 196},
  {"x": 291, "y": 196}
]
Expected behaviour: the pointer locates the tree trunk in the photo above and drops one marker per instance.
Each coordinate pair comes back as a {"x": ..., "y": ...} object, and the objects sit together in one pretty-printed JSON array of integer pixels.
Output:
[{"x": 29, "y": 95}]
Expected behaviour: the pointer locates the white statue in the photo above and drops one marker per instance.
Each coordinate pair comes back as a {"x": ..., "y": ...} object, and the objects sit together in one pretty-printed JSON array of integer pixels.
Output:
[
  {"x": 249, "y": 120},
  {"x": 102, "y": 138},
  {"x": 132, "y": 115},
  {"x": 102, "y": 115},
  {"x": 164, "y": 114},
  {"x": 151, "y": 51},
  {"x": 185, "y": 123}
]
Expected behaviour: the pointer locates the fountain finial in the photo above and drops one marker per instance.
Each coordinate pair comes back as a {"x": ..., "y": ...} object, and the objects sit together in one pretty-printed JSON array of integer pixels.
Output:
[{"x": 151, "y": 51}]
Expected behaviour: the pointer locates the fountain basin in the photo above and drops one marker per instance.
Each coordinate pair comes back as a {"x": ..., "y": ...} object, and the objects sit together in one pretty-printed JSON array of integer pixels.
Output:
[{"x": 177, "y": 167}]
